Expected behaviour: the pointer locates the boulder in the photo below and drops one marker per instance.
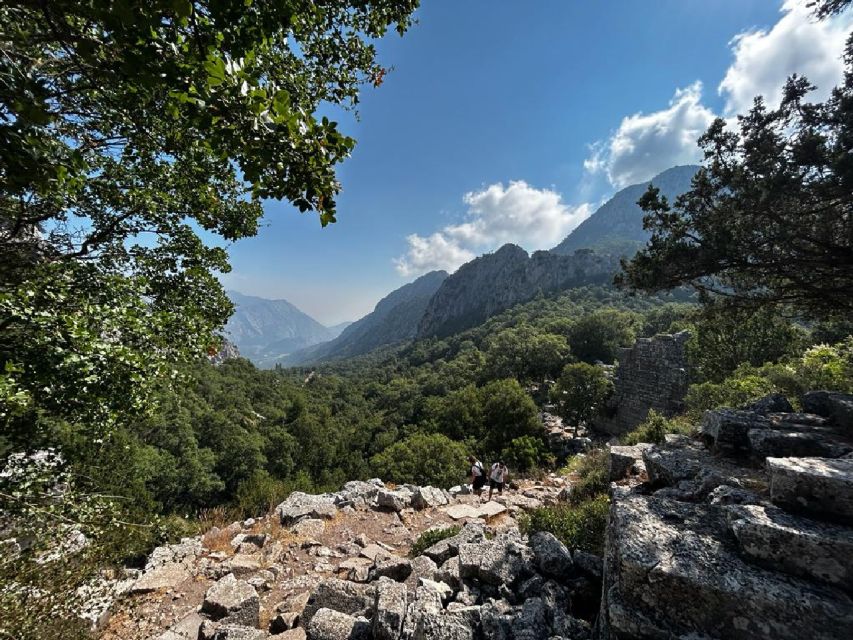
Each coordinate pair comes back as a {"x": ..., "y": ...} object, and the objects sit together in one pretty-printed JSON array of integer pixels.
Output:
[
  {"x": 327, "y": 624},
  {"x": 772, "y": 403},
  {"x": 300, "y": 505},
  {"x": 309, "y": 528},
  {"x": 588, "y": 563},
  {"x": 496, "y": 620},
  {"x": 423, "y": 567},
  {"x": 729, "y": 429},
  {"x": 233, "y": 601},
  {"x": 356, "y": 490},
  {"x": 187, "y": 628},
  {"x": 624, "y": 459},
  {"x": 341, "y": 596},
  {"x": 281, "y": 622},
  {"x": 819, "y": 486},
  {"x": 838, "y": 407},
  {"x": 449, "y": 573},
  {"x": 659, "y": 550},
  {"x": 799, "y": 546},
  {"x": 395, "y": 568},
  {"x": 389, "y": 610},
  {"x": 786, "y": 440},
  {"x": 551, "y": 555},
  {"x": 495, "y": 562},
  {"x": 210, "y": 631},
  {"x": 469, "y": 511},
  {"x": 167, "y": 576},
  {"x": 679, "y": 459},
  {"x": 428, "y": 497},
  {"x": 244, "y": 564},
  {"x": 442, "y": 627},
  {"x": 393, "y": 500},
  {"x": 293, "y": 634},
  {"x": 449, "y": 547},
  {"x": 531, "y": 623}
]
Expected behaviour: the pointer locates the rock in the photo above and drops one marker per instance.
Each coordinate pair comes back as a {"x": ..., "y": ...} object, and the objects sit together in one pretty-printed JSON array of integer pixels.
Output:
[
  {"x": 726, "y": 495},
  {"x": 309, "y": 528},
  {"x": 659, "y": 550},
  {"x": 531, "y": 587},
  {"x": 327, "y": 624},
  {"x": 567, "y": 626},
  {"x": 589, "y": 563},
  {"x": 423, "y": 567},
  {"x": 838, "y": 407},
  {"x": 243, "y": 564},
  {"x": 496, "y": 619},
  {"x": 167, "y": 576},
  {"x": 185, "y": 552},
  {"x": 468, "y": 511},
  {"x": 293, "y": 634},
  {"x": 374, "y": 552},
  {"x": 624, "y": 459},
  {"x": 495, "y": 562},
  {"x": 444, "y": 549},
  {"x": 679, "y": 459},
  {"x": 449, "y": 573},
  {"x": 187, "y": 628},
  {"x": 395, "y": 568},
  {"x": 818, "y": 486},
  {"x": 551, "y": 555},
  {"x": 393, "y": 500},
  {"x": 444, "y": 591},
  {"x": 389, "y": 610},
  {"x": 729, "y": 429},
  {"x": 427, "y": 601},
  {"x": 785, "y": 441},
  {"x": 531, "y": 623},
  {"x": 772, "y": 403},
  {"x": 428, "y": 497},
  {"x": 341, "y": 596},
  {"x": 230, "y": 632},
  {"x": 356, "y": 490},
  {"x": 300, "y": 505},
  {"x": 442, "y": 627},
  {"x": 283, "y": 621},
  {"x": 798, "y": 546},
  {"x": 233, "y": 601}
]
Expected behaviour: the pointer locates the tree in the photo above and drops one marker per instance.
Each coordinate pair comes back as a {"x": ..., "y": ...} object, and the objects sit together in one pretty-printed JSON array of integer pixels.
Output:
[
  {"x": 597, "y": 336},
  {"x": 524, "y": 353},
  {"x": 581, "y": 392},
  {"x": 127, "y": 129},
  {"x": 769, "y": 218},
  {"x": 508, "y": 413},
  {"x": 422, "y": 459}
]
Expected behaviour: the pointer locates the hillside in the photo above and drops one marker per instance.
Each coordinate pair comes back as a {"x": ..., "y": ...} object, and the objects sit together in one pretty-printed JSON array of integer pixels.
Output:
[
  {"x": 265, "y": 329},
  {"x": 617, "y": 226},
  {"x": 497, "y": 281},
  {"x": 394, "y": 319}
]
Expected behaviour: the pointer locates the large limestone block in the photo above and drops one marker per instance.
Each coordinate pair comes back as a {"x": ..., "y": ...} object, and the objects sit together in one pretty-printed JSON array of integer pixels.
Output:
[
  {"x": 729, "y": 429},
  {"x": 394, "y": 500},
  {"x": 340, "y": 595},
  {"x": 799, "y": 546},
  {"x": 495, "y": 562},
  {"x": 673, "y": 571},
  {"x": 838, "y": 407},
  {"x": 793, "y": 441},
  {"x": 167, "y": 576},
  {"x": 819, "y": 486},
  {"x": 449, "y": 547},
  {"x": 428, "y": 497},
  {"x": 232, "y": 600},
  {"x": 328, "y": 624},
  {"x": 552, "y": 557},
  {"x": 443, "y": 627},
  {"x": 389, "y": 609},
  {"x": 624, "y": 458},
  {"x": 300, "y": 505}
]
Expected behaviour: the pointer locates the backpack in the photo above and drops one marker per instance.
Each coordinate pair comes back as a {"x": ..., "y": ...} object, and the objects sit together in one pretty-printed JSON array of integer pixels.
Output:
[{"x": 479, "y": 465}]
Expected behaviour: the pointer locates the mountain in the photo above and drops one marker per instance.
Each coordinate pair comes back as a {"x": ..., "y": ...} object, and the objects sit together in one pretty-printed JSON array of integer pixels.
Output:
[
  {"x": 617, "y": 226},
  {"x": 265, "y": 329},
  {"x": 394, "y": 319},
  {"x": 496, "y": 281}
]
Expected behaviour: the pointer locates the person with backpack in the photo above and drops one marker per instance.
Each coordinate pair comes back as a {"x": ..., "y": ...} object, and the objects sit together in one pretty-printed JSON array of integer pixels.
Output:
[
  {"x": 497, "y": 478},
  {"x": 478, "y": 475}
]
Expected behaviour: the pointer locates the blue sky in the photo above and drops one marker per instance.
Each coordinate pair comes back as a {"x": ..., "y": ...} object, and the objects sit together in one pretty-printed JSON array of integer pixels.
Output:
[{"x": 511, "y": 121}]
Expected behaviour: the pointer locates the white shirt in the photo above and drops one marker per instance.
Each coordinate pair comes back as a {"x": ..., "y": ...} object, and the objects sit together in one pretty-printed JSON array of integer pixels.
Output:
[
  {"x": 497, "y": 472},
  {"x": 477, "y": 469}
]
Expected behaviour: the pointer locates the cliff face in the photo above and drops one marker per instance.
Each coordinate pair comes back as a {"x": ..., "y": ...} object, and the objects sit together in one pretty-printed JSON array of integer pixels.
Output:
[{"x": 494, "y": 282}]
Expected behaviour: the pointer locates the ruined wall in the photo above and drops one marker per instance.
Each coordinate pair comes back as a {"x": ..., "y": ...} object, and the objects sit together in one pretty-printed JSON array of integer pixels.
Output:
[{"x": 651, "y": 375}]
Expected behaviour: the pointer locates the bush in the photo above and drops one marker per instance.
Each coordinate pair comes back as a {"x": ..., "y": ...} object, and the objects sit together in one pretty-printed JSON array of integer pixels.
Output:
[
  {"x": 593, "y": 470},
  {"x": 259, "y": 494},
  {"x": 581, "y": 526},
  {"x": 431, "y": 537},
  {"x": 422, "y": 459},
  {"x": 526, "y": 453},
  {"x": 654, "y": 429},
  {"x": 581, "y": 392}
]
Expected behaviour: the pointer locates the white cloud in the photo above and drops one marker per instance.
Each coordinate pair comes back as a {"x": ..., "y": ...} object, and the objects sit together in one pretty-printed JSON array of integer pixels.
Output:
[
  {"x": 797, "y": 43},
  {"x": 763, "y": 59},
  {"x": 647, "y": 143},
  {"x": 519, "y": 213}
]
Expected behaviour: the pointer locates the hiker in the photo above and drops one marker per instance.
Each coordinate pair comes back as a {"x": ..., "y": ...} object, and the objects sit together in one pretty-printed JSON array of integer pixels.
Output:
[
  {"x": 497, "y": 478},
  {"x": 478, "y": 475}
]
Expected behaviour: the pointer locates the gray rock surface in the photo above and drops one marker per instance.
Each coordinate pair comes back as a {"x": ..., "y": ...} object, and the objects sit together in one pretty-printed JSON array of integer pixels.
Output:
[
  {"x": 428, "y": 497},
  {"x": 232, "y": 601},
  {"x": 729, "y": 429},
  {"x": 838, "y": 407},
  {"x": 395, "y": 568},
  {"x": 300, "y": 505},
  {"x": 796, "y": 545},
  {"x": 495, "y": 562},
  {"x": 551, "y": 556},
  {"x": 339, "y": 595},
  {"x": 814, "y": 485},
  {"x": 449, "y": 547},
  {"x": 772, "y": 403},
  {"x": 389, "y": 610},
  {"x": 327, "y": 624},
  {"x": 624, "y": 458},
  {"x": 393, "y": 500}
]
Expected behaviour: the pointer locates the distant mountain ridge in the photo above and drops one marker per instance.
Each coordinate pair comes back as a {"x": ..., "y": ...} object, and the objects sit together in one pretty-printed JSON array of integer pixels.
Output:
[
  {"x": 497, "y": 281},
  {"x": 394, "y": 319},
  {"x": 266, "y": 329},
  {"x": 617, "y": 226}
]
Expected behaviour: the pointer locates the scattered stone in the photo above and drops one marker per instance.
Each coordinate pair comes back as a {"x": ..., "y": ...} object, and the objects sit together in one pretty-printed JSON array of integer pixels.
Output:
[
  {"x": 838, "y": 407},
  {"x": 327, "y": 624},
  {"x": 374, "y": 552},
  {"x": 233, "y": 601},
  {"x": 468, "y": 511},
  {"x": 167, "y": 576},
  {"x": 785, "y": 441},
  {"x": 814, "y": 485},
  {"x": 300, "y": 505},
  {"x": 393, "y": 500},
  {"x": 531, "y": 623},
  {"x": 395, "y": 568},
  {"x": 444, "y": 549},
  {"x": 428, "y": 497},
  {"x": 729, "y": 429},
  {"x": 495, "y": 562},
  {"x": 772, "y": 403},
  {"x": 551, "y": 555},
  {"x": 210, "y": 631},
  {"x": 442, "y": 627},
  {"x": 242, "y": 565},
  {"x": 342, "y": 596},
  {"x": 187, "y": 628},
  {"x": 449, "y": 573},
  {"x": 309, "y": 528},
  {"x": 284, "y": 621},
  {"x": 423, "y": 567},
  {"x": 624, "y": 459},
  {"x": 389, "y": 610}
]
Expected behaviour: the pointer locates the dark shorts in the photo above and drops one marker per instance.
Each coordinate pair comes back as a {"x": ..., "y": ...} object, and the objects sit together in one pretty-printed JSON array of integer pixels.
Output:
[
  {"x": 479, "y": 482},
  {"x": 494, "y": 484}
]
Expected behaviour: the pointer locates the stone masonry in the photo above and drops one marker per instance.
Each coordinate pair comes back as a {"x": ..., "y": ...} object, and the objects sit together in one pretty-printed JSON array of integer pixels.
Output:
[{"x": 651, "y": 375}]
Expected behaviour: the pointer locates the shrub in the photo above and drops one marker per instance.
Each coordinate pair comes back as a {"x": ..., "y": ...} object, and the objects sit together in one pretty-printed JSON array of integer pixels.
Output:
[
  {"x": 422, "y": 459},
  {"x": 526, "y": 453},
  {"x": 259, "y": 494},
  {"x": 431, "y": 537},
  {"x": 593, "y": 470},
  {"x": 581, "y": 526},
  {"x": 581, "y": 392},
  {"x": 655, "y": 427}
]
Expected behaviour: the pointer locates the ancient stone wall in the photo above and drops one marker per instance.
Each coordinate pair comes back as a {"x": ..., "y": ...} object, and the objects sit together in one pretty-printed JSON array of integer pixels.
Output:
[{"x": 651, "y": 375}]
